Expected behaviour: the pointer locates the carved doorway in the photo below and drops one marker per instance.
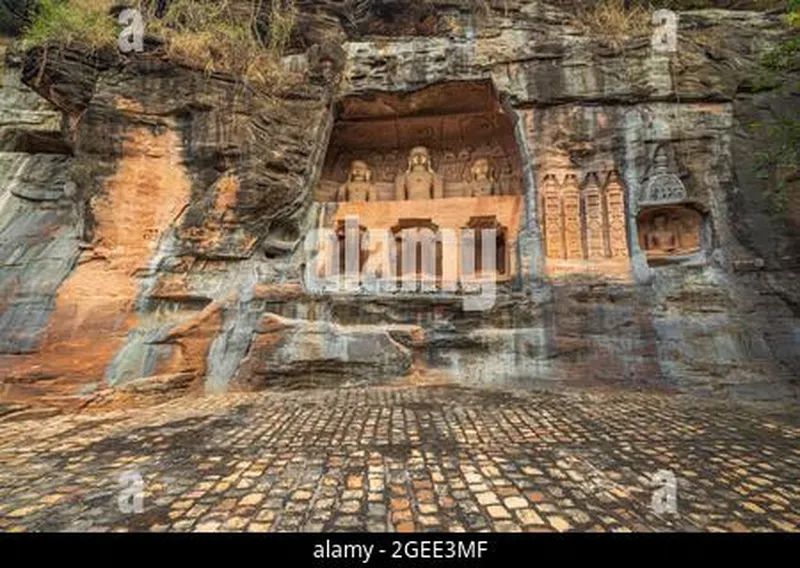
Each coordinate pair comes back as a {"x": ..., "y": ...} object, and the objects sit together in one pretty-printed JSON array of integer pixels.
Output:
[
  {"x": 480, "y": 226},
  {"x": 353, "y": 236},
  {"x": 418, "y": 252}
]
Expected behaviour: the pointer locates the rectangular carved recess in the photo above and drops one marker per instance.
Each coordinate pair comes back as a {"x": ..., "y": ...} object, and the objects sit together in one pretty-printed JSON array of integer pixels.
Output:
[
  {"x": 446, "y": 154},
  {"x": 458, "y": 123},
  {"x": 456, "y": 214},
  {"x": 584, "y": 224}
]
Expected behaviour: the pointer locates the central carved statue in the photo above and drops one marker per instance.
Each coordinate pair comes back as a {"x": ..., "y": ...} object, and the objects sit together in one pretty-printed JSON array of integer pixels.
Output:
[
  {"x": 419, "y": 181},
  {"x": 359, "y": 186}
]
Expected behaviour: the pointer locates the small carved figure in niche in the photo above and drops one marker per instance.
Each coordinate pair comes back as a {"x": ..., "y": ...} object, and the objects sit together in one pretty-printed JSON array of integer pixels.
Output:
[
  {"x": 481, "y": 179},
  {"x": 662, "y": 237},
  {"x": 508, "y": 183},
  {"x": 671, "y": 232},
  {"x": 689, "y": 229},
  {"x": 464, "y": 160},
  {"x": 419, "y": 181},
  {"x": 390, "y": 163},
  {"x": 359, "y": 186}
]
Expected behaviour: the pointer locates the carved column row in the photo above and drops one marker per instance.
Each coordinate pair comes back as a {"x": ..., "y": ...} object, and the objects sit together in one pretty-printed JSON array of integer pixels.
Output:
[
  {"x": 584, "y": 221},
  {"x": 414, "y": 249}
]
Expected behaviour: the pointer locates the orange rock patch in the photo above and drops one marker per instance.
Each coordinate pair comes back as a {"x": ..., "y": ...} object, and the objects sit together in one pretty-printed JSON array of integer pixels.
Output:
[{"x": 95, "y": 307}]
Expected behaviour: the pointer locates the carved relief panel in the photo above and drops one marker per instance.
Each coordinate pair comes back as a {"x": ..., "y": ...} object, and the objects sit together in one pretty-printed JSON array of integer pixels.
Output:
[
  {"x": 571, "y": 203},
  {"x": 587, "y": 223},
  {"x": 455, "y": 143},
  {"x": 463, "y": 173},
  {"x": 553, "y": 219}
]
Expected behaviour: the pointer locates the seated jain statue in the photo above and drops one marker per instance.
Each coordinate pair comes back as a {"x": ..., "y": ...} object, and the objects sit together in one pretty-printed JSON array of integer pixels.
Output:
[
  {"x": 481, "y": 179},
  {"x": 419, "y": 181},
  {"x": 662, "y": 237},
  {"x": 359, "y": 186},
  {"x": 672, "y": 233}
]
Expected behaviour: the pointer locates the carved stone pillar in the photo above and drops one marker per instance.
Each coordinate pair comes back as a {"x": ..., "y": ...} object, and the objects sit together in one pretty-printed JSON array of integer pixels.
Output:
[
  {"x": 553, "y": 227},
  {"x": 615, "y": 208},
  {"x": 571, "y": 204},
  {"x": 596, "y": 241}
]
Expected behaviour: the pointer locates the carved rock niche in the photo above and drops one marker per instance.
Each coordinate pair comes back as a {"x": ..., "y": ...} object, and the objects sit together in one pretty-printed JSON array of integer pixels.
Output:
[
  {"x": 669, "y": 233},
  {"x": 466, "y": 133},
  {"x": 439, "y": 161},
  {"x": 670, "y": 225}
]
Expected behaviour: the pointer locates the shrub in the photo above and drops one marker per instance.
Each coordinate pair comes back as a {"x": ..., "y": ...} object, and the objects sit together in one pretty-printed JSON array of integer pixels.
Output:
[
  {"x": 794, "y": 13},
  {"x": 65, "y": 22},
  {"x": 782, "y": 57},
  {"x": 781, "y": 154}
]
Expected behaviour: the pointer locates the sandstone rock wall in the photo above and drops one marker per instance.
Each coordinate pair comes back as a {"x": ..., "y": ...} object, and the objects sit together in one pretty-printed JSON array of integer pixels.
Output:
[
  {"x": 176, "y": 178},
  {"x": 39, "y": 221},
  {"x": 188, "y": 196}
]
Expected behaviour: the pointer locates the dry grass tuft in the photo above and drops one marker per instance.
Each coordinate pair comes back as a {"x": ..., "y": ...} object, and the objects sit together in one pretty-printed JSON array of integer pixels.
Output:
[
  {"x": 611, "y": 21},
  {"x": 216, "y": 36}
]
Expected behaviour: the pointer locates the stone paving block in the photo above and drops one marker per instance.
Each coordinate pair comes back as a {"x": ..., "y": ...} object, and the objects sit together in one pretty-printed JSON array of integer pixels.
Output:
[{"x": 369, "y": 458}]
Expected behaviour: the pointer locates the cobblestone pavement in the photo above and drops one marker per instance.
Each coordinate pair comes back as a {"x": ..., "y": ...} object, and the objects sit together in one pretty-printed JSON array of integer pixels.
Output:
[{"x": 403, "y": 459}]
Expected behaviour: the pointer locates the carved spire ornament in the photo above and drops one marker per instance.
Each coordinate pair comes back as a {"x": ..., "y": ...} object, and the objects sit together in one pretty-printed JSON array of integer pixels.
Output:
[{"x": 662, "y": 187}]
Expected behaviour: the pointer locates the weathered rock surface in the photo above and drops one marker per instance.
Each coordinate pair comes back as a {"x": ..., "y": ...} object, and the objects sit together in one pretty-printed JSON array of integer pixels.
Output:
[
  {"x": 152, "y": 216},
  {"x": 286, "y": 351},
  {"x": 39, "y": 222}
]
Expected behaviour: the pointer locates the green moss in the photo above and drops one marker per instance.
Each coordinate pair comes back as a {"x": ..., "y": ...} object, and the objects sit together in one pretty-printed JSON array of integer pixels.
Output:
[
  {"x": 762, "y": 80},
  {"x": 783, "y": 57}
]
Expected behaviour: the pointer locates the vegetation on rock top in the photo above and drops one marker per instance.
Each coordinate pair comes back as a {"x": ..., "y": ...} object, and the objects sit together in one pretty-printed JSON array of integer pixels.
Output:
[
  {"x": 216, "y": 36},
  {"x": 240, "y": 37},
  {"x": 67, "y": 22}
]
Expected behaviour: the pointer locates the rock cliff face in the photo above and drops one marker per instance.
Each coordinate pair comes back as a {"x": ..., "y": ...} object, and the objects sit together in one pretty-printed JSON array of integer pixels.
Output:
[{"x": 153, "y": 218}]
